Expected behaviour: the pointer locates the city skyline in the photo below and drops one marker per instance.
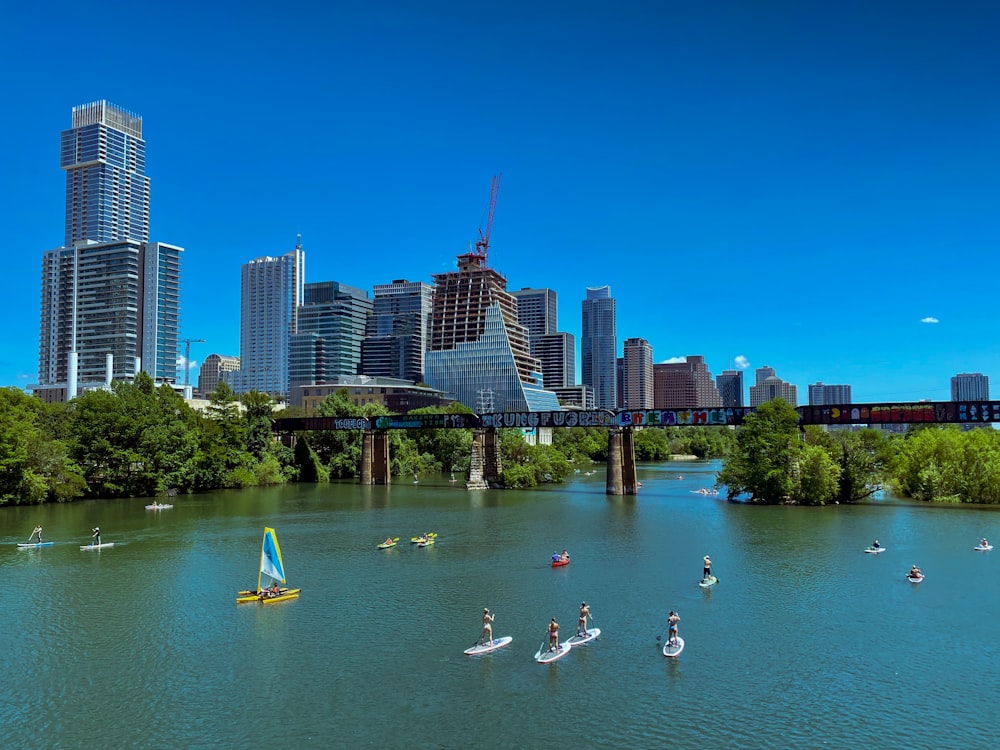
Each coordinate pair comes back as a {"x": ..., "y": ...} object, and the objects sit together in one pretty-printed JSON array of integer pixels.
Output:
[{"x": 751, "y": 190}]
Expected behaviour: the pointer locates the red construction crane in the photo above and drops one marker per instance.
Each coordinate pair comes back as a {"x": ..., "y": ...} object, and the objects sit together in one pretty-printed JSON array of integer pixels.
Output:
[{"x": 483, "y": 243}]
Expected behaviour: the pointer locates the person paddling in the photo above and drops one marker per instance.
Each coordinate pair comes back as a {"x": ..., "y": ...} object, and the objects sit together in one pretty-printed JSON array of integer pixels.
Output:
[
  {"x": 707, "y": 568},
  {"x": 96, "y": 535},
  {"x": 672, "y": 619},
  {"x": 38, "y": 532},
  {"x": 876, "y": 545},
  {"x": 553, "y": 635},
  {"x": 915, "y": 572},
  {"x": 581, "y": 628},
  {"x": 487, "y": 634}
]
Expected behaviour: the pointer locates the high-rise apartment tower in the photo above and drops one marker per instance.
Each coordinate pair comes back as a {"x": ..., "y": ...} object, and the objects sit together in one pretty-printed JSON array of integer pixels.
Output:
[{"x": 599, "y": 346}]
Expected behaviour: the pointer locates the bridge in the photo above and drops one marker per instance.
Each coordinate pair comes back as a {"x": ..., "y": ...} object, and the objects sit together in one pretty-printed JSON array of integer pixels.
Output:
[{"x": 486, "y": 467}]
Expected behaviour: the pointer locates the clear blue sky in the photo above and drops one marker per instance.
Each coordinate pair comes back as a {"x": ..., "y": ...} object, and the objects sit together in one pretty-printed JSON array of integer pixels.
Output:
[{"x": 810, "y": 186}]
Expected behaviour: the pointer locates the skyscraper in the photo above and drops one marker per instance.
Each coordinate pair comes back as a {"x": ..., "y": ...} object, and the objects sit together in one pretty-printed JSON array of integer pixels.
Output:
[
  {"x": 821, "y": 394},
  {"x": 398, "y": 332},
  {"x": 970, "y": 386},
  {"x": 730, "y": 386},
  {"x": 537, "y": 311},
  {"x": 110, "y": 302},
  {"x": 271, "y": 291},
  {"x": 684, "y": 385},
  {"x": 210, "y": 373},
  {"x": 107, "y": 191},
  {"x": 599, "y": 346},
  {"x": 769, "y": 387},
  {"x": 637, "y": 369},
  {"x": 479, "y": 352}
]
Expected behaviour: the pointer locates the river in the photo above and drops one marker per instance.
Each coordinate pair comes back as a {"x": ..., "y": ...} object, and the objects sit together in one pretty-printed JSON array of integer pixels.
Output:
[{"x": 805, "y": 642}]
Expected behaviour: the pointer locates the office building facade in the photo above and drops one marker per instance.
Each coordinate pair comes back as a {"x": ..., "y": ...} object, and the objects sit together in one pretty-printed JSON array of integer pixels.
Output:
[
  {"x": 769, "y": 386},
  {"x": 599, "y": 347},
  {"x": 637, "y": 372},
  {"x": 821, "y": 394},
  {"x": 970, "y": 386},
  {"x": 684, "y": 385},
  {"x": 729, "y": 383},
  {"x": 398, "y": 332},
  {"x": 210, "y": 373}
]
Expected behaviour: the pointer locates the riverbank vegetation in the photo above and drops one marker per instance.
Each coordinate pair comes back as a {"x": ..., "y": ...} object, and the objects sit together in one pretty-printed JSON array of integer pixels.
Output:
[{"x": 137, "y": 440}]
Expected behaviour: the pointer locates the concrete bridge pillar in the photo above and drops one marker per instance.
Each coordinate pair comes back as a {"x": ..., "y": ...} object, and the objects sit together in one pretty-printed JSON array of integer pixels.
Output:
[
  {"x": 485, "y": 465},
  {"x": 375, "y": 459},
  {"x": 630, "y": 483},
  {"x": 621, "y": 462}
]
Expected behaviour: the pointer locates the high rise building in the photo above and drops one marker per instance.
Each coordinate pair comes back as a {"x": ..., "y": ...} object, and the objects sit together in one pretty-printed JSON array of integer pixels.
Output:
[
  {"x": 730, "y": 387},
  {"x": 479, "y": 352},
  {"x": 537, "y": 310},
  {"x": 398, "y": 332},
  {"x": 107, "y": 191},
  {"x": 271, "y": 291},
  {"x": 599, "y": 346},
  {"x": 821, "y": 394},
  {"x": 637, "y": 369},
  {"x": 210, "y": 374},
  {"x": 769, "y": 387},
  {"x": 684, "y": 385},
  {"x": 970, "y": 386},
  {"x": 110, "y": 298}
]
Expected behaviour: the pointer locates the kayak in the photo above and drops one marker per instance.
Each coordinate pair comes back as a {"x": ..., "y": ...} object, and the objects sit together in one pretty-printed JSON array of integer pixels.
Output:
[
  {"x": 97, "y": 546},
  {"x": 559, "y": 563},
  {"x": 386, "y": 545},
  {"x": 915, "y": 579},
  {"x": 31, "y": 545},
  {"x": 675, "y": 648},
  {"x": 978, "y": 547},
  {"x": 547, "y": 657},
  {"x": 485, "y": 648},
  {"x": 706, "y": 583},
  {"x": 579, "y": 640},
  {"x": 875, "y": 550},
  {"x": 426, "y": 543},
  {"x": 418, "y": 539}
]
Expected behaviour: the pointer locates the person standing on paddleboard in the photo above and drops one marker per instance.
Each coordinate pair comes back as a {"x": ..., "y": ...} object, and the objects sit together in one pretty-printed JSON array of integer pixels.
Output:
[
  {"x": 97, "y": 535},
  {"x": 553, "y": 635},
  {"x": 581, "y": 628},
  {"x": 672, "y": 619},
  {"x": 487, "y": 634},
  {"x": 707, "y": 570},
  {"x": 38, "y": 531}
]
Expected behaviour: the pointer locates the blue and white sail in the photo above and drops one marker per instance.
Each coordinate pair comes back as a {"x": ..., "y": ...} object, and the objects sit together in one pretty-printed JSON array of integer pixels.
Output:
[{"x": 270, "y": 557}]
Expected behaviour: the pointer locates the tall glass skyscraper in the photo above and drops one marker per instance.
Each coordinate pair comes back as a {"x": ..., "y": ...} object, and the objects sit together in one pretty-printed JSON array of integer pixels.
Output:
[
  {"x": 271, "y": 291},
  {"x": 110, "y": 302},
  {"x": 399, "y": 330},
  {"x": 599, "y": 347},
  {"x": 107, "y": 191}
]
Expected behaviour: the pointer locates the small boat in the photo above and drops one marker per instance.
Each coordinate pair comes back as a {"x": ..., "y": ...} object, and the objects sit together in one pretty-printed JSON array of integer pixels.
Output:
[
  {"x": 272, "y": 566},
  {"x": 424, "y": 538},
  {"x": 558, "y": 563},
  {"x": 426, "y": 542},
  {"x": 389, "y": 543},
  {"x": 159, "y": 506}
]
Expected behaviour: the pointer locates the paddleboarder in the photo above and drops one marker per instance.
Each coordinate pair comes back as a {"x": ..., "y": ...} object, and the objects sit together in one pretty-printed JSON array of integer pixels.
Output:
[
  {"x": 97, "y": 535},
  {"x": 876, "y": 545},
  {"x": 672, "y": 619},
  {"x": 915, "y": 571},
  {"x": 38, "y": 531},
  {"x": 487, "y": 634},
  {"x": 707, "y": 568},
  {"x": 553, "y": 635},
  {"x": 581, "y": 628}
]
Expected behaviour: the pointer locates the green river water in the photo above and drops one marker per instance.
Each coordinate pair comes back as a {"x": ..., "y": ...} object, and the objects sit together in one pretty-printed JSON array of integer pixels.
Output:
[{"x": 806, "y": 642}]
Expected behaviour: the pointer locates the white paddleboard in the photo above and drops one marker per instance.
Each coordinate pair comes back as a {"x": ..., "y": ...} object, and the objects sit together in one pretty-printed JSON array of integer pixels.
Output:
[
  {"x": 913, "y": 579},
  {"x": 159, "y": 507},
  {"x": 545, "y": 656},
  {"x": 673, "y": 649},
  {"x": 97, "y": 546},
  {"x": 875, "y": 550},
  {"x": 29, "y": 545},
  {"x": 493, "y": 645},
  {"x": 578, "y": 640},
  {"x": 706, "y": 583},
  {"x": 978, "y": 547}
]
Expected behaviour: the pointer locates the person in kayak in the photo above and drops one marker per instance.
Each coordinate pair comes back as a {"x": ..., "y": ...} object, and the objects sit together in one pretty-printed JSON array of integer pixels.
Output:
[
  {"x": 564, "y": 556},
  {"x": 487, "y": 634},
  {"x": 555, "y": 557},
  {"x": 553, "y": 635},
  {"x": 672, "y": 619},
  {"x": 388, "y": 541},
  {"x": 581, "y": 628},
  {"x": 96, "y": 535},
  {"x": 706, "y": 572}
]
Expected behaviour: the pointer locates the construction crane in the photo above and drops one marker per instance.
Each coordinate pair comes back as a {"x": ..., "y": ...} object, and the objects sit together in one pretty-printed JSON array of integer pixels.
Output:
[
  {"x": 187, "y": 358},
  {"x": 483, "y": 243}
]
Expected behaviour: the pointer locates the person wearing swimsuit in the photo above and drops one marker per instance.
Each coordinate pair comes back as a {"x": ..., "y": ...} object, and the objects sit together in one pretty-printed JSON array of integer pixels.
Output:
[
  {"x": 581, "y": 628},
  {"x": 672, "y": 619},
  {"x": 707, "y": 569},
  {"x": 553, "y": 635},
  {"x": 487, "y": 634}
]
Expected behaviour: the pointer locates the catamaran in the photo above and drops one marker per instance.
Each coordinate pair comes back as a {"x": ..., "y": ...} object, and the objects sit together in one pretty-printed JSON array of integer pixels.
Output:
[{"x": 271, "y": 566}]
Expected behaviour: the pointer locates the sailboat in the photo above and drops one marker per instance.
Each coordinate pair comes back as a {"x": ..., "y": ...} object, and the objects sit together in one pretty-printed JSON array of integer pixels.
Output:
[{"x": 272, "y": 567}]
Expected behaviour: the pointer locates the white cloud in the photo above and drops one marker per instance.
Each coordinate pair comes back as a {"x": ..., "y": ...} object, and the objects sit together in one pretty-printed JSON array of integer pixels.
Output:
[
  {"x": 674, "y": 360},
  {"x": 741, "y": 362},
  {"x": 928, "y": 320}
]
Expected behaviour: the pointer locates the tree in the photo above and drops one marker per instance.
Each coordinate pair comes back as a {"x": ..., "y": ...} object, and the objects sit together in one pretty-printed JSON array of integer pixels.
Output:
[{"x": 764, "y": 459}]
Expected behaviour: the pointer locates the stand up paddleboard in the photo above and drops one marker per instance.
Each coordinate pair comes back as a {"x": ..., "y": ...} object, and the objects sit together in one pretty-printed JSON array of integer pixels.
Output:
[
  {"x": 707, "y": 583},
  {"x": 914, "y": 579},
  {"x": 875, "y": 550},
  {"x": 545, "y": 656},
  {"x": 579, "y": 640},
  {"x": 675, "y": 648},
  {"x": 97, "y": 546},
  {"x": 978, "y": 547},
  {"x": 485, "y": 648},
  {"x": 30, "y": 545}
]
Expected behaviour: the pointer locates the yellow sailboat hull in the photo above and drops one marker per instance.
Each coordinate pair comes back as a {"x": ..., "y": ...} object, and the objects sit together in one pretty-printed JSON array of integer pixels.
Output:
[{"x": 245, "y": 597}]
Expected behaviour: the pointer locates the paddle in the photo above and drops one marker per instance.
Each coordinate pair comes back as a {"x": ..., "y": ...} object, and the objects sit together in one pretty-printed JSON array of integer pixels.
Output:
[{"x": 538, "y": 653}]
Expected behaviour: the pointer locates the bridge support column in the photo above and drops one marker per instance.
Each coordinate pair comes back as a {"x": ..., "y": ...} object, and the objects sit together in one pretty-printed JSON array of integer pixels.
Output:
[
  {"x": 485, "y": 465},
  {"x": 621, "y": 462},
  {"x": 375, "y": 460}
]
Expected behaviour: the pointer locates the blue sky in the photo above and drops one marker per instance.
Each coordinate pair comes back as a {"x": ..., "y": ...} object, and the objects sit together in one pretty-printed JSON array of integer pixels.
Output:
[{"x": 796, "y": 184}]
